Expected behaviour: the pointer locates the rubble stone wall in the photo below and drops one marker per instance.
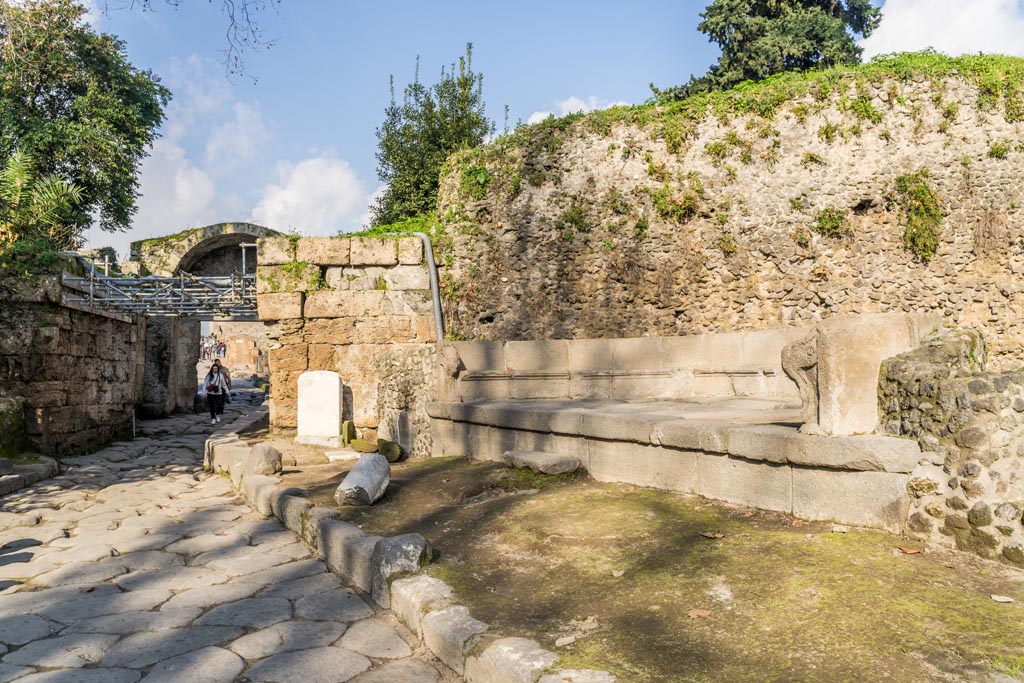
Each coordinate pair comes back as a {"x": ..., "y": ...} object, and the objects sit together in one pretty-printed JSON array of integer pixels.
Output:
[
  {"x": 360, "y": 307},
  {"x": 968, "y": 491},
  {"x": 80, "y": 374},
  {"x": 664, "y": 221}
]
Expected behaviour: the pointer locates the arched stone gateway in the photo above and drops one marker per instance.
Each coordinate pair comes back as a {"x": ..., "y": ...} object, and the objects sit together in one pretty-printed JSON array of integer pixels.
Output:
[{"x": 211, "y": 250}]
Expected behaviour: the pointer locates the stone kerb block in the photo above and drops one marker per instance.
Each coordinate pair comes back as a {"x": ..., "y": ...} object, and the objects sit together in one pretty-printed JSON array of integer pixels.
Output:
[
  {"x": 321, "y": 400},
  {"x": 850, "y": 353},
  {"x": 413, "y": 597},
  {"x": 279, "y": 305},
  {"x": 324, "y": 251},
  {"x": 509, "y": 660},
  {"x": 370, "y": 251},
  {"x": 450, "y": 633},
  {"x": 274, "y": 251},
  {"x": 396, "y": 555}
]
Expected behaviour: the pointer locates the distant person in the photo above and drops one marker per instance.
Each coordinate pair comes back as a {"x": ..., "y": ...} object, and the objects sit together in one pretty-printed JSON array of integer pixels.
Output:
[
  {"x": 217, "y": 390},
  {"x": 227, "y": 377}
]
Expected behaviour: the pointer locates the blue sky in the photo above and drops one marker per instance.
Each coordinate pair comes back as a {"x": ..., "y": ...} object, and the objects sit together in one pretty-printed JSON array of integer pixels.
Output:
[{"x": 294, "y": 149}]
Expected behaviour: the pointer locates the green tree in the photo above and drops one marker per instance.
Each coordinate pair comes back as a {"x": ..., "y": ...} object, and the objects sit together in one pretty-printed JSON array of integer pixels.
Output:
[
  {"x": 70, "y": 100},
  {"x": 419, "y": 133},
  {"x": 766, "y": 37},
  {"x": 34, "y": 208}
]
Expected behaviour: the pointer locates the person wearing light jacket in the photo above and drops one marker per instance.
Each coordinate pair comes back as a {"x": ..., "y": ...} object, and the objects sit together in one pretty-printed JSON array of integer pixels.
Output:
[{"x": 217, "y": 389}]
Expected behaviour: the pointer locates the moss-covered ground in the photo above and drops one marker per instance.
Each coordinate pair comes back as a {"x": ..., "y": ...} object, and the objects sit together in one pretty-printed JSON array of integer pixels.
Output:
[{"x": 622, "y": 569}]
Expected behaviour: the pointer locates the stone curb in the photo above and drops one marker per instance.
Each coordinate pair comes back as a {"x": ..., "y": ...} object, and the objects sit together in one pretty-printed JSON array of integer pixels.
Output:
[
  {"x": 26, "y": 475},
  {"x": 424, "y": 604}
]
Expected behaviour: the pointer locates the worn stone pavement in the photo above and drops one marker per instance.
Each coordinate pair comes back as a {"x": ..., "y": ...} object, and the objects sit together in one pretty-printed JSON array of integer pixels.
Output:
[{"x": 135, "y": 565}]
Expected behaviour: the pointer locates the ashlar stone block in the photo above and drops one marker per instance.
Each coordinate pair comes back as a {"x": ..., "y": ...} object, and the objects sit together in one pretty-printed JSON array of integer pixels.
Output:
[{"x": 321, "y": 400}]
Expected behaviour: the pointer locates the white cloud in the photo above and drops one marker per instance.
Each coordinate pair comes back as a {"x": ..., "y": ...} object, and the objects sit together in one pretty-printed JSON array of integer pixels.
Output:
[
  {"x": 237, "y": 140},
  {"x": 316, "y": 196},
  {"x": 572, "y": 105},
  {"x": 954, "y": 27}
]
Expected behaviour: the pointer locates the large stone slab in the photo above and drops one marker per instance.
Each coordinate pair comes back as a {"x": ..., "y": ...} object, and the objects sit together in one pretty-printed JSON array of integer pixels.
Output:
[
  {"x": 321, "y": 402},
  {"x": 315, "y": 665},
  {"x": 544, "y": 463},
  {"x": 208, "y": 665},
  {"x": 850, "y": 353}
]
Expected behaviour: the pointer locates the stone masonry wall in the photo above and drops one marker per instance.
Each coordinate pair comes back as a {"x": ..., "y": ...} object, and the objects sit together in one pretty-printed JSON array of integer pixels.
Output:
[
  {"x": 637, "y": 222},
  {"x": 969, "y": 488},
  {"x": 80, "y": 374},
  {"x": 357, "y": 306},
  {"x": 170, "y": 375}
]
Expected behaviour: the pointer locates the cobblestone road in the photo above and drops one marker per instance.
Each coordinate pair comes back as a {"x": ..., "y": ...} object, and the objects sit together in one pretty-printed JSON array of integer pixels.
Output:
[{"x": 136, "y": 565}]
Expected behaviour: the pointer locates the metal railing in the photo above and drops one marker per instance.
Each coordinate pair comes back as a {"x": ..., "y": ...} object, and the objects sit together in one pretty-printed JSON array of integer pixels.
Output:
[{"x": 207, "y": 297}]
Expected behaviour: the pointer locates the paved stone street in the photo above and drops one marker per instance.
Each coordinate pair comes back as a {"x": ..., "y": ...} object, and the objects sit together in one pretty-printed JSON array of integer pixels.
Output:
[{"x": 134, "y": 564}]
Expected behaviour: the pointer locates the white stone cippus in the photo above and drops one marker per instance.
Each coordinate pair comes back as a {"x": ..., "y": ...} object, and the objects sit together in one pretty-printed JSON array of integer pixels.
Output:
[{"x": 320, "y": 408}]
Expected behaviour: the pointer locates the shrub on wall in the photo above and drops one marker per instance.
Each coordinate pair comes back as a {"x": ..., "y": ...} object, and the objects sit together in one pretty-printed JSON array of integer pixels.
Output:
[
  {"x": 922, "y": 212},
  {"x": 831, "y": 222}
]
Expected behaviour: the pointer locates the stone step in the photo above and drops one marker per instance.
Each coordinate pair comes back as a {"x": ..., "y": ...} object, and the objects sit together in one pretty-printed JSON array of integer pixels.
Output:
[{"x": 544, "y": 463}]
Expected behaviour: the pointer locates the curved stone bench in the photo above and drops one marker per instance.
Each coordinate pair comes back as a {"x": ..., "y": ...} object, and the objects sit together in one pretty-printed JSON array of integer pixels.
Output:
[{"x": 739, "y": 450}]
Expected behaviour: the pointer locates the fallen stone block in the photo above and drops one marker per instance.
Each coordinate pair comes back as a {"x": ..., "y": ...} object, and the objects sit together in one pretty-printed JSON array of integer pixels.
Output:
[
  {"x": 544, "y": 463},
  {"x": 342, "y": 455},
  {"x": 396, "y": 555},
  {"x": 389, "y": 449},
  {"x": 509, "y": 660},
  {"x": 450, "y": 633},
  {"x": 363, "y": 446},
  {"x": 366, "y": 482},
  {"x": 263, "y": 459}
]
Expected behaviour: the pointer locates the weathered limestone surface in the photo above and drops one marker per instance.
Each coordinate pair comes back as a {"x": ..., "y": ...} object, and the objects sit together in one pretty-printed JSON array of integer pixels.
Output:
[
  {"x": 579, "y": 234},
  {"x": 170, "y": 372},
  {"x": 366, "y": 481},
  {"x": 80, "y": 375},
  {"x": 158, "y": 571},
  {"x": 210, "y": 250},
  {"x": 969, "y": 487},
  {"x": 359, "y": 307}
]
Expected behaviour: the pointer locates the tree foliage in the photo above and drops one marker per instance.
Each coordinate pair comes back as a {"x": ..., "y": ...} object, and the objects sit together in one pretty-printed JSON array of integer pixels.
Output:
[
  {"x": 763, "y": 37},
  {"x": 36, "y": 208},
  {"x": 71, "y": 101},
  {"x": 419, "y": 133}
]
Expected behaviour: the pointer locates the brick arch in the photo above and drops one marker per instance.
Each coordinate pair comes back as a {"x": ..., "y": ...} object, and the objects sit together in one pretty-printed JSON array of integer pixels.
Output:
[{"x": 210, "y": 250}]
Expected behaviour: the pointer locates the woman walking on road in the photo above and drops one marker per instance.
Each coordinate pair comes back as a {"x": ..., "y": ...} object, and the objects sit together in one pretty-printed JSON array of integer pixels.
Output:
[{"x": 216, "y": 390}]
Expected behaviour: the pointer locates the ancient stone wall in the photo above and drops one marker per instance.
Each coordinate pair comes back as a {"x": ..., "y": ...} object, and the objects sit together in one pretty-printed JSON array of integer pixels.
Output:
[
  {"x": 210, "y": 250},
  {"x": 666, "y": 221},
  {"x": 969, "y": 489},
  {"x": 247, "y": 346},
  {"x": 80, "y": 374},
  {"x": 360, "y": 307},
  {"x": 170, "y": 373}
]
